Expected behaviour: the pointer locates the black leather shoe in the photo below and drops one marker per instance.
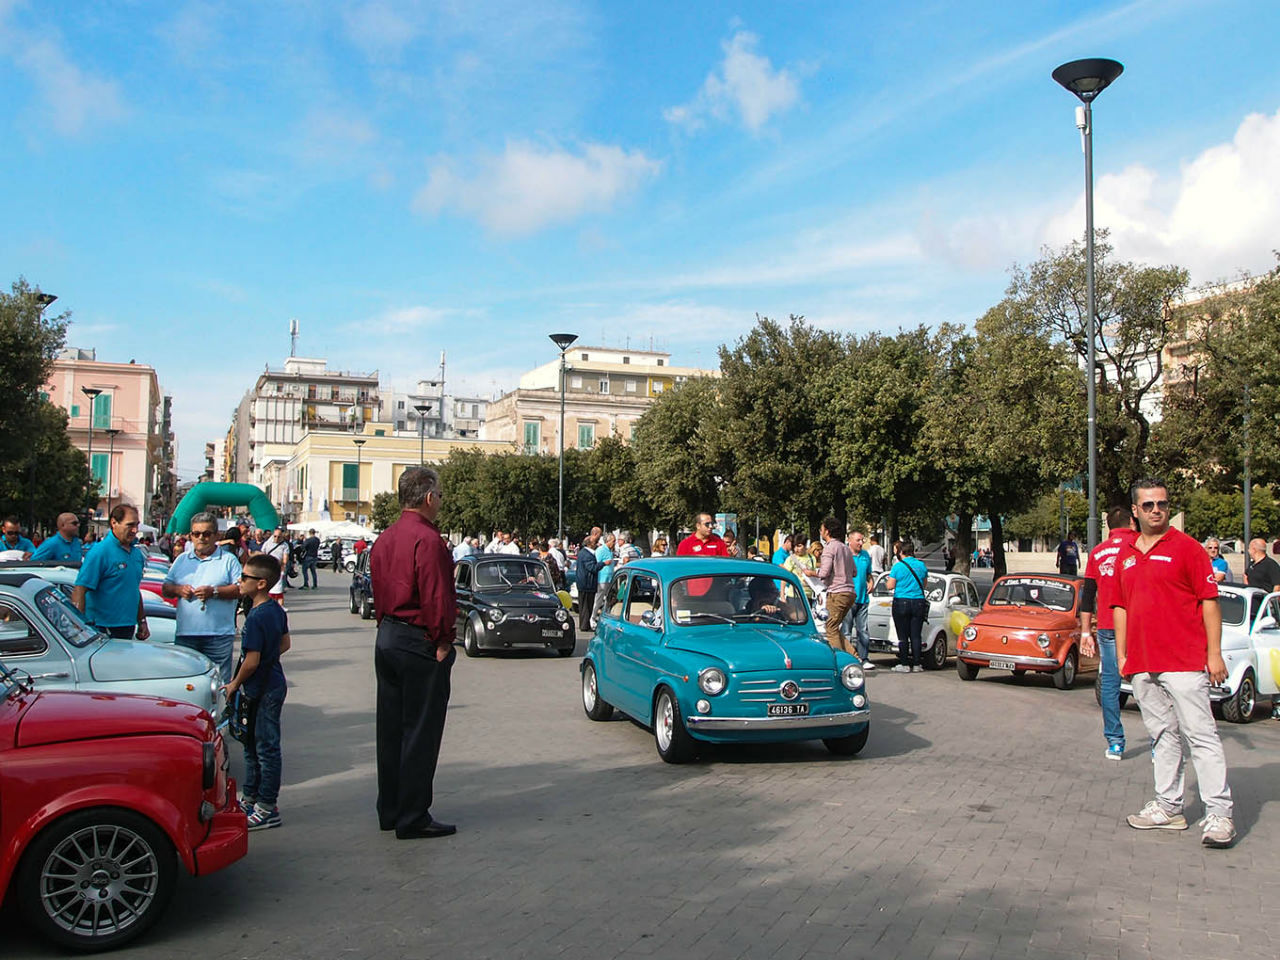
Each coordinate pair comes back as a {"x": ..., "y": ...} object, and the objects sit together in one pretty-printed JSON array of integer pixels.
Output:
[{"x": 428, "y": 832}]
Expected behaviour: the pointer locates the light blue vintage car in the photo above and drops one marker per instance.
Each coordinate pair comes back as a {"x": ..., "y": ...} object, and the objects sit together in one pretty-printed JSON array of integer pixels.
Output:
[
  {"x": 43, "y": 635},
  {"x": 707, "y": 650}
]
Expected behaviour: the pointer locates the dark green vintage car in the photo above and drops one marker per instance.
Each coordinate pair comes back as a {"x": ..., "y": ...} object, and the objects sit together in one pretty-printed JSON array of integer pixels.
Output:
[{"x": 508, "y": 602}]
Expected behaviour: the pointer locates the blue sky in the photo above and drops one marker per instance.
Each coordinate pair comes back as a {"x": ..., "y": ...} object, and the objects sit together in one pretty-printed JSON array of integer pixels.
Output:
[{"x": 407, "y": 176}]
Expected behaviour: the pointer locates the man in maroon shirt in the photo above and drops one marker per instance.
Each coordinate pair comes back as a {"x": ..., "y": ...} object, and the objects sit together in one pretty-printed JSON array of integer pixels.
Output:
[
  {"x": 411, "y": 567},
  {"x": 1169, "y": 641}
]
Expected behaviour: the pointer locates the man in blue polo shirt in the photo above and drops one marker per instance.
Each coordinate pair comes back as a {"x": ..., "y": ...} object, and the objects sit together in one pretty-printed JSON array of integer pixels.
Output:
[
  {"x": 64, "y": 546},
  {"x": 107, "y": 587},
  {"x": 13, "y": 538},
  {"x": 855, "y": 622},
  {"x": 205, "y": 581}
]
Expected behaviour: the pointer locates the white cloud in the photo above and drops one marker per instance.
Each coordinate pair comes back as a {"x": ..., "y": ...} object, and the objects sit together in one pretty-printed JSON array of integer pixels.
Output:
[
  {"x": 1216, "y": 217},
  {"x": 745, "y": 83},
  {"x": 379, "y": 30},
  {"x": 530, "y": 187},
  {"x": 811, "y": 258},
  {"x": 329, "y": 135},
  {"x": 75, "y": 101}
]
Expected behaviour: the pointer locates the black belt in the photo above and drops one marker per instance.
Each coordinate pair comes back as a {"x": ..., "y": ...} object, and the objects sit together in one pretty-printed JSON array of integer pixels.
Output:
[{"x": 402, "y": 620}]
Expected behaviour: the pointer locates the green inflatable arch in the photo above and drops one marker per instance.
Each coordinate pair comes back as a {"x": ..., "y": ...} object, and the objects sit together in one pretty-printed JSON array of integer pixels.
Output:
[{"x": 204, "y": 495}]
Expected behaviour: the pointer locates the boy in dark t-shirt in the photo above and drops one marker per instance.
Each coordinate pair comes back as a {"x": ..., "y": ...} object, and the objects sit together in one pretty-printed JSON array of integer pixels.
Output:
[{"x": 263, "y": 638}]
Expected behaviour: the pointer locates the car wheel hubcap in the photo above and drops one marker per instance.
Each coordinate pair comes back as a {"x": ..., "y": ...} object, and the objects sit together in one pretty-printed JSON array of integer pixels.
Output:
[
  {"x": 1246, "y": 696},
  {"x": 589, "y": 688},
  {"x": 666, "y": 722},
  {"x": 99, "y": 881},
  {"x": 1070, "y": 671}
]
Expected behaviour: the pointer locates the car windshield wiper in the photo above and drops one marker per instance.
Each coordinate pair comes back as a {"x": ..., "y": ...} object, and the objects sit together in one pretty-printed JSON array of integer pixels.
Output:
[
  {"x": 761, "y": 615},
  {"x": 714, "y": 616}
]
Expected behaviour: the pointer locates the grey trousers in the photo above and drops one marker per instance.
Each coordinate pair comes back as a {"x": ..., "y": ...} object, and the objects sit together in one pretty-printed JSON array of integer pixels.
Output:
[{"x": 1175, "y": 708}]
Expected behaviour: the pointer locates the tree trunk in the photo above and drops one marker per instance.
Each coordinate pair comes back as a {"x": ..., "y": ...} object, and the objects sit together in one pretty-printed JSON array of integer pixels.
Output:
[
  {"x": 964, "y": 542},
  {"x": 999, "y": 566},
  {"x": 893, "y": 530}
]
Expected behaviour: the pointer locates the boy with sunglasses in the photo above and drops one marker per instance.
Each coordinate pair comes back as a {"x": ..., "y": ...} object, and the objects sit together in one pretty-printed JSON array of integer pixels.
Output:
[
  {"x": 263, "y": 638},
  {"x": 1169, "y": 642}
]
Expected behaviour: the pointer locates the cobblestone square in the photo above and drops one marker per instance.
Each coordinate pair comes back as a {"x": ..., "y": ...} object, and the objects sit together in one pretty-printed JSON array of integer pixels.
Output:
[{"x": 982, "y": 820}]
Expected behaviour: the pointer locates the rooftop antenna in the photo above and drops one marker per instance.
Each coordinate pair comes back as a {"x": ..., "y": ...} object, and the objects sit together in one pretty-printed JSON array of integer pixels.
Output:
[{"x": 293, "y": 336}]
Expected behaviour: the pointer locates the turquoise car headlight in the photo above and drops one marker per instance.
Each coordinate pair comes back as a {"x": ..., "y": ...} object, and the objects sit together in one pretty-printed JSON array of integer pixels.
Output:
[
  {"x": 852, "y": 676},
  {"x": 712, "y": 681}
]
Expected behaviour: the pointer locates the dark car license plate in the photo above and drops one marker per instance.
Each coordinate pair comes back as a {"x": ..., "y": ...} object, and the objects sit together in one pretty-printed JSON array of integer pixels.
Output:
[{"x": 788, "y": 709}]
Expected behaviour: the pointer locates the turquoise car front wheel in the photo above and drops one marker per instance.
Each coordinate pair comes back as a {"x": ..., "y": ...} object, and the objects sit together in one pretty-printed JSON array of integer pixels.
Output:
[
  {"x": 672, "y": 739},
  {"x": 848, "y": 746},
  {"x": 595, "y": 707}
]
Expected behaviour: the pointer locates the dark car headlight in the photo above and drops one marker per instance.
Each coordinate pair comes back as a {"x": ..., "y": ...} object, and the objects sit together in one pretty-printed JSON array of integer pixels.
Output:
[
  {"x": 561, "y": 614},
  {"x": 209, "y": 773},
  {"x": 495, "y": 616}
]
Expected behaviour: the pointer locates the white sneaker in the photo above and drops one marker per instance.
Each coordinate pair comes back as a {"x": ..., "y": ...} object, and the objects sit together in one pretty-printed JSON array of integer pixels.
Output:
[
  {"x": 902, "y": 668},
  {"x": 917, "y": 669},
  {"x": 1153, "y": 817},
  {"x": 1219, "y": 831},
  {"x": 868, "y": 666}
]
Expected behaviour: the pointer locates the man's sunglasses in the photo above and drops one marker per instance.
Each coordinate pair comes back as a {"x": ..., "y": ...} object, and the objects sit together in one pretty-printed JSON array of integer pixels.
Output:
[
  {"x": 204, "y": 533},
  {"x": 1146, "y": 506}
]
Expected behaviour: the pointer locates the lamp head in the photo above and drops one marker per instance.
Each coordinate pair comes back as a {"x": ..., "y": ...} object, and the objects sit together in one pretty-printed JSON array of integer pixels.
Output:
[
  {"x": 90, "y": 392},
  {"x": 1088, "y": 78},
  {"x": 44, "y": 299},
  {"x": 563, "y": 340},
  {"x": 359, "y": 441}
]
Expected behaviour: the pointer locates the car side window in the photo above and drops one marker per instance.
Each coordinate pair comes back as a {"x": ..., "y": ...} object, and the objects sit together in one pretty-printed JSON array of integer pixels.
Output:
[
  {"x": 463, "y": 576},
  {"x": 973, "y": 595},
  {"x": 616, "y": 601},
  {"x": 645, "y": 596},
  {"x": 18, "y": 637}
]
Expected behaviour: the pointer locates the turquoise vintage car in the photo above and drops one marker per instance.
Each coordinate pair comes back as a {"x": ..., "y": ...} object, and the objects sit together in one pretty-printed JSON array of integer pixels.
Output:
[{"x": 707, "y": 650}]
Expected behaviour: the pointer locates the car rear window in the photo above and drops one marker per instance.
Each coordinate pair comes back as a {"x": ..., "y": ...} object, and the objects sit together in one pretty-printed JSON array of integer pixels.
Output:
[{"x": 1233, "y": 607}]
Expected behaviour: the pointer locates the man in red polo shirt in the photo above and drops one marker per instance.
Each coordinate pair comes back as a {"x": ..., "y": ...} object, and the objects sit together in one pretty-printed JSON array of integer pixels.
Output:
[
  {"x": 1100, "y": 568},
  {"x": 704, "y": 541},
  {"x": 1169, "y": 641}
]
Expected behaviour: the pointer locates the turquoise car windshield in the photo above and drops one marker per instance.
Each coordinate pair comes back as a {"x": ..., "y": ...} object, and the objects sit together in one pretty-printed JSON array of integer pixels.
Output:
[
  {"x": 697, "y": 601},
  {"x": 66, "y": 619}
]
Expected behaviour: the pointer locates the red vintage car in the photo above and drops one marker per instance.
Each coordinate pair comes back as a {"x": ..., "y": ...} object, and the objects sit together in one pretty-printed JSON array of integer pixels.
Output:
[
  {"x": 100, "y": 797},
  {"x": 1030, "y": 622}
]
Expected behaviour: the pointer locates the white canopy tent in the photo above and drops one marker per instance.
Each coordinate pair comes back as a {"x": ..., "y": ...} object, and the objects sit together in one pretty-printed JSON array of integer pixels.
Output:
[{"x": 346, "y": 529}]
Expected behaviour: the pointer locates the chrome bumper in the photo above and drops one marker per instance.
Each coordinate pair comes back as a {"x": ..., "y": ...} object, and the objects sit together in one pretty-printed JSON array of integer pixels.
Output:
[
  {"x": 787, "y": 723},
  {"x": 1042, "y": 662}
]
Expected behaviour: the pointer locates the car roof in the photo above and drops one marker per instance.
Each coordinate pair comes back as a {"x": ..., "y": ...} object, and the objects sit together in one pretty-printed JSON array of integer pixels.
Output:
[
  {"x": 16, "y": 579},
  {"x": 37, "y": 564},
  {"x": 1053, "y": 575},
  {"x": 672, "y": 568}
]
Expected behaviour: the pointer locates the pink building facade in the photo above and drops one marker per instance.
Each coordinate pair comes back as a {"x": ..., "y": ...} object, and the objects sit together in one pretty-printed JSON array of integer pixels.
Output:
[{"x": 120, "y": 428}]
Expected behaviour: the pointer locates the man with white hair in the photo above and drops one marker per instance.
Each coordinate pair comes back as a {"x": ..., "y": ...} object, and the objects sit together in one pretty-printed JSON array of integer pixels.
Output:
[{"x": 206, "y": 583}]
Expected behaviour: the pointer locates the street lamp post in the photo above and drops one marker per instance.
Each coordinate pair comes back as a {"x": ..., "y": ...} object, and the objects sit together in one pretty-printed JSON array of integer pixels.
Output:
[
  {"x": 359, "y": 442},
  {"x": 111, "y": 432},
  {"x": 564, "y": 341},
  {"x": 42, "y": 301},
  {"x": 422, "y": 409},
  {"x": 92, "y": 393},
  {"x": 1086, "y": 79}
]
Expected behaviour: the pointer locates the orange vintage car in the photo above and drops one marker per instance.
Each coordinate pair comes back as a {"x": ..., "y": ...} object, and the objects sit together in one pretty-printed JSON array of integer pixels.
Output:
[{"x": 1029, "y": 623}]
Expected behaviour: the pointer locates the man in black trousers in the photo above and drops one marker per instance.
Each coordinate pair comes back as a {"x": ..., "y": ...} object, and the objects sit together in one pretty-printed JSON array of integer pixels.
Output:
[
  {"x": 588, "y": 576},
  {"x": 412, "y": 571}
]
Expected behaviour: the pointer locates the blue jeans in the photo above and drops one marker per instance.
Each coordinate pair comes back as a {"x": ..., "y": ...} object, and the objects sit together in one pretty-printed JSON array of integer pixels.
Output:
[
  {"x": 262, "y": 749},
  {"x": 309, "y": 565},
  {"x": 1109, "y": 687},
  {"x": 855, "y": 622},
  {"x": 216, "y": 648}
]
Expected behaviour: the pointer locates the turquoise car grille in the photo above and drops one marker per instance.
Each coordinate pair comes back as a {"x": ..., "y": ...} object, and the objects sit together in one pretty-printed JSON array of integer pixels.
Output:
[{"x": 765, "y": 690}]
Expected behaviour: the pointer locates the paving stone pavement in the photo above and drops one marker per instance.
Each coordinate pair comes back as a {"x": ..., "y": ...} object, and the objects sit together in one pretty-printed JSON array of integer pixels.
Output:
[{"x": 982, "y": 820}]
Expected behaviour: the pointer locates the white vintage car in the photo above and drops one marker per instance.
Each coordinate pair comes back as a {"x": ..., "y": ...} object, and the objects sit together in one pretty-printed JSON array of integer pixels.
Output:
[
  {"x": 1251, "y": 650},
  {"x": 947, "y": 593}
]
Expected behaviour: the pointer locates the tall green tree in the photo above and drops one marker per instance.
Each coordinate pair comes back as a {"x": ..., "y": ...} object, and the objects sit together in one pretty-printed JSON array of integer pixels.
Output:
[
  {"x": 51, "y": 476},
  {"x": 678, "y": 448},
  {"x": 870, "y": 415},
  {"x": 385, "y": 510},
  {"x": 1003, "y": 421},
  {"x": 776, "y": 441},
  {"x": 1134, "y": 326},
  {"x": 1228, "y": 373}
]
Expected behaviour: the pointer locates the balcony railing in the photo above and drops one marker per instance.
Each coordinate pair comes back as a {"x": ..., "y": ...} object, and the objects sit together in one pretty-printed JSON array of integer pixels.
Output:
[{"x": 346, "y": 494}]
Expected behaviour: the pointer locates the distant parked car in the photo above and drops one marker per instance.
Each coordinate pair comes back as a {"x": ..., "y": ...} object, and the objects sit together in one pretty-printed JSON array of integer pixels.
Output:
[
  {"x": 161, "y": 616},
  {"x": 947, "y": 593},
  {"x": 1030, "y": 623},
  {"x": 706, "y": 650},
  {"x": 1250, "y": 649},
  {"x": 362, "y": 588},
  {"x": 100, "y": 797},
  {"x": 42, "y": 634},
  {"x": 508, "y": 602}
]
